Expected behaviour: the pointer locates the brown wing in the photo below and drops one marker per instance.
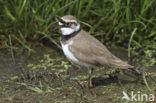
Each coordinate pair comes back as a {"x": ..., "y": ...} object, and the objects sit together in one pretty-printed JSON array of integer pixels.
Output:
[{"x": 88, "y": 49}]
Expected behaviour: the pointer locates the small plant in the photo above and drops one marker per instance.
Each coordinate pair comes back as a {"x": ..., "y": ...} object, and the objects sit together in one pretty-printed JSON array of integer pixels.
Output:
[
  {"x": 144, "y": 55},
  {"x": 48, "y": 63},
  {"x": 45, "y": 63},
  {"x": 46, "y": 71},
  {"x": 150, "y": 59}
]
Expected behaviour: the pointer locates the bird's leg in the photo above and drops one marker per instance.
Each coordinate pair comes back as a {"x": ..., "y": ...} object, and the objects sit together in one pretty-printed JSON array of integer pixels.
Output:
[{"x": 90, "y": 78}]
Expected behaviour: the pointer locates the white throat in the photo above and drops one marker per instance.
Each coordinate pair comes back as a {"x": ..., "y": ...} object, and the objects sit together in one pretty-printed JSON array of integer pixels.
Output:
[{"x": 69, "y": 30}]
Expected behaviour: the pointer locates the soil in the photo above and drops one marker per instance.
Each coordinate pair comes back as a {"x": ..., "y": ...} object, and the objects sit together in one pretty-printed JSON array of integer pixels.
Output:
[{"x": 20, "y": 84}]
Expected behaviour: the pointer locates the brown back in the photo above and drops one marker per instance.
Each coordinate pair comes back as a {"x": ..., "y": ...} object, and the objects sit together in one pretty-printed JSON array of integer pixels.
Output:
[{"x": 89, "y": 50}]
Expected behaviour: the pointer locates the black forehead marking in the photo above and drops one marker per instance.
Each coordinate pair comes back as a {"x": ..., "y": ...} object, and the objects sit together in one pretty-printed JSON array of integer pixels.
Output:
[{"x": 63, "y": 22}]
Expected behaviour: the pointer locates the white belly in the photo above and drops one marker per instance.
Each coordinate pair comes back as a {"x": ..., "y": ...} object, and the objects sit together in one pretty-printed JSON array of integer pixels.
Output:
[{"x": 71, "y": 57}]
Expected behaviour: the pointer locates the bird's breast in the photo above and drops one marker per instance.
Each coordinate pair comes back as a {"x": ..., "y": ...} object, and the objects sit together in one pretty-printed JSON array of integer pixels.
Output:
[
  {"x": 71, "y": 56},
  {"x": 68, "y": 53}
]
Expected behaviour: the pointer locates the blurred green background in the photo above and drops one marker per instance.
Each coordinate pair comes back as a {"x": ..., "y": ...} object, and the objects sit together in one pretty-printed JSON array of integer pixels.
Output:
[{"x": 127, "y": 23}]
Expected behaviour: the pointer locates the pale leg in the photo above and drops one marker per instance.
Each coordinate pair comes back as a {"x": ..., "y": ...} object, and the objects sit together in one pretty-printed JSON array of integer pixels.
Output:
[{"x": 90, "y": 78}]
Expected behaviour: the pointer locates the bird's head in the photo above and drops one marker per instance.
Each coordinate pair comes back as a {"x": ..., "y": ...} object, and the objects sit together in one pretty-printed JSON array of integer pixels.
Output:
[{"x": 68, "y": 25}]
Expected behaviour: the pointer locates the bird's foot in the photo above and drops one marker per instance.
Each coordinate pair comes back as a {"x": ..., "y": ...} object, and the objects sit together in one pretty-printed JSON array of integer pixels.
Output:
[
  {"x": 90, "y": 85},
  {"x": 85, "y": 84}
]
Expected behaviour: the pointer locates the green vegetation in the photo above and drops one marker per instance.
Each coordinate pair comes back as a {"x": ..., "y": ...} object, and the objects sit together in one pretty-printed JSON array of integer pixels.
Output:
[
  {"x": 113, "y": 20},
  {"x": 52, "y": 76},
  {"x": 127, "y": 23},
  {"x": 116, "y": 22},
  {"x": 44, "y": 69}
]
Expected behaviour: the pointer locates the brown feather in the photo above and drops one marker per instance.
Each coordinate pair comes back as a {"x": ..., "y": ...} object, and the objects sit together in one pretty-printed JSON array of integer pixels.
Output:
[{"x": 91, "y": 51}]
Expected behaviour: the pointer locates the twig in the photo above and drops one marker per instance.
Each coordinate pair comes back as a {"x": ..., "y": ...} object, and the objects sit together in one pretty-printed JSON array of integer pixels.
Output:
[
  {"x": 11, "y": 49},
  {"x": 59, "y": 77}
]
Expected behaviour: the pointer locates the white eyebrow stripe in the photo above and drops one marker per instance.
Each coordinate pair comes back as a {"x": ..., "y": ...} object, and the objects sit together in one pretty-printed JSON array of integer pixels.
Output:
[{"x": 69, "y": 20}]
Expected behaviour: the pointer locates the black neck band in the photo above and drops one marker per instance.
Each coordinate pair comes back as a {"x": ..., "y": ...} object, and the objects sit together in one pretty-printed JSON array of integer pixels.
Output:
[{"x": 66, "y": 37}]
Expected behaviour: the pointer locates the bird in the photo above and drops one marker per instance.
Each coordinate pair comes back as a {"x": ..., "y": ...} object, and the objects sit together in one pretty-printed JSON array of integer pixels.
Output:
[{"x": 83, "y": 49}]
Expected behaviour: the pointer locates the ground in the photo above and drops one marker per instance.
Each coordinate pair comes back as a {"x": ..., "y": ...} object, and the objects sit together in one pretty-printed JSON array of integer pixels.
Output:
[{"x": 32, "y": 79}]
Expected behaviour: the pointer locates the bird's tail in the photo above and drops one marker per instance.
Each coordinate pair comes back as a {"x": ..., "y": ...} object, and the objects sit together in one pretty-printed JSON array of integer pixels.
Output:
[
  {"x": 117, "y": 63},
  {"x": 120, "y": 64}
]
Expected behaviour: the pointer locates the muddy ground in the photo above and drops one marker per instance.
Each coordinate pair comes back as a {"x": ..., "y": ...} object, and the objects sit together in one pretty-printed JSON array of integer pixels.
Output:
[{"x": 67, "y": 84}]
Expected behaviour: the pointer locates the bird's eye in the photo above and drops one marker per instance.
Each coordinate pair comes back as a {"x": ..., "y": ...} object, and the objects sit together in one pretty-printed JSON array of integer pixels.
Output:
[{"x": 68, "y": 24}]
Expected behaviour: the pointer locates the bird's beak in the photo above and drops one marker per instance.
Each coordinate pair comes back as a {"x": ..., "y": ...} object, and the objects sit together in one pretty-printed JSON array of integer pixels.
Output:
[{"x": 59, "y": 20}]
